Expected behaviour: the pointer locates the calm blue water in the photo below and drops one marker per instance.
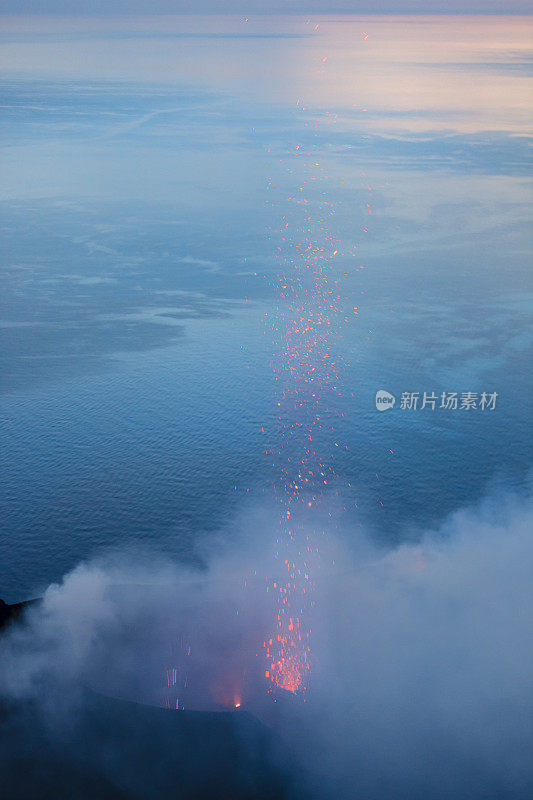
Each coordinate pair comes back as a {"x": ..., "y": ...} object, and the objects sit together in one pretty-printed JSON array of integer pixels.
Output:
[{"x": 148, "y": 168}]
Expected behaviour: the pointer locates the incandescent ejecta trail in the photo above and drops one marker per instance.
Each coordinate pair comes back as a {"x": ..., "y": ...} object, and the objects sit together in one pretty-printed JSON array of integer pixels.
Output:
[
  {"x": 304, "y": 445},
  {"x": 308, "y": 379}
]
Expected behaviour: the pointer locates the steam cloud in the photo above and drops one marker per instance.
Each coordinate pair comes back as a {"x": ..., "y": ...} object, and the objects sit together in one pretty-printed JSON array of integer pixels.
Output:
[{"x": 421, "y": 682}]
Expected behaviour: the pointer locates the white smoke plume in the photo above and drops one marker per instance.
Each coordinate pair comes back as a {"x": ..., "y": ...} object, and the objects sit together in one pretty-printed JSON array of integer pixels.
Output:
[{"x": 421, "y": 683}]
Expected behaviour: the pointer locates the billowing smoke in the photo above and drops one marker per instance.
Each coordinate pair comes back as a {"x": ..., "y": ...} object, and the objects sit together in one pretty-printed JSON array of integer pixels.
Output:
[
  {"x": 420, "y": 684},
  {"x": 425, "y": 664}
]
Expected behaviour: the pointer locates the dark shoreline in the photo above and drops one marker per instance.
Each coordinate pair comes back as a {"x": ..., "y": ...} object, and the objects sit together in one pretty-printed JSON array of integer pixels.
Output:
[{"x": 10, "y": 612}]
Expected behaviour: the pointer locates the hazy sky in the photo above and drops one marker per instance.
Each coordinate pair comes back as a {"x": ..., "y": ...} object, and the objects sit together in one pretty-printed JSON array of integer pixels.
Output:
[{"x": 265, "y": 6}]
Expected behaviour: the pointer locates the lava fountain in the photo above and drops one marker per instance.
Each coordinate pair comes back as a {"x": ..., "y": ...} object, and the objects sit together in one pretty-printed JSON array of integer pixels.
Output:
[
  {"x": 307, "y": 377},
  {"x": 303, "y": 446}
]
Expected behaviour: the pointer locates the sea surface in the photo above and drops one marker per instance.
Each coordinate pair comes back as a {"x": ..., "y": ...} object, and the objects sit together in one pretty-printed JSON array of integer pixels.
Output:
[{"x": 156, "y": 175}]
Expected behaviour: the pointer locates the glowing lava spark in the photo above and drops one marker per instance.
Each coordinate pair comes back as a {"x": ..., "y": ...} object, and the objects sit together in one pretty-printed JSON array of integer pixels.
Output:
[{"x": 307, "y": 376}]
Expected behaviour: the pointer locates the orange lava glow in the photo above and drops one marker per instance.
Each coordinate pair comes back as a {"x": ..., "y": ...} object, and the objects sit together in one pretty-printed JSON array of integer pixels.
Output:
[
  {"x": 308, "y": 380},
  {"x": 304, "y": 443}
]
